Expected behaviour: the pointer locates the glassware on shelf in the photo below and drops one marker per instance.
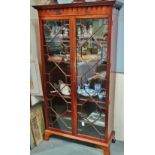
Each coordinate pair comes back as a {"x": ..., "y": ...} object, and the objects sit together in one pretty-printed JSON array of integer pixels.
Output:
[
  {"x": 65, "y": 33},
  {"x": 105, "y": 36},
  {"x": 86, "y": 92},
  {"x": 86, "y": 86},
  {"x": 56, "y": 29},
  {"x": 90, "y": 29},
  {"x": 97, "y": 87},
  {"x": 85, "y": 32},
  {"x": 98, "y": 76},
  {"x": 97, "y": 118},
  {"x": 104, "y": 54},
  {"x": 79, "y": 32},
  {"x": 66, "y": 58},
  {"x": 102, "y": 95},
  {"x": 60, "y": 36},
  {"x": 64, "y": 2},
  {"x": 52, "y": 34}
]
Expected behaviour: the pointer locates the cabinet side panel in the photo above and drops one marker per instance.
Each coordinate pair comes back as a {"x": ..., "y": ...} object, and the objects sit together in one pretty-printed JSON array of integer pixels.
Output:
[
  {"x": 112, "y": 73},
  {"x": 111, "y": 103}
]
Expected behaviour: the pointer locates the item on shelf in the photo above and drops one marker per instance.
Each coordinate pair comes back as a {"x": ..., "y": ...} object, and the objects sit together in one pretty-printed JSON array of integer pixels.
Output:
[
  {"x": 64, "y": 1},
  {"x": 104, "y": 55},
  {"x": 55, "y": 46},
  {"x": 67, "y": 58},
  {"x": 54, "y": 91},
  {"x": 86, "y": 92},
  {"x": 42, "y": 2},
  {"x": 85, "y": 32},
  {"x": 86, "y": 86},
  {"x": 100, "y": 68},
  {"x": 102, "y": 95},
  {"x": 65, "y": 90},
  {"x": 60, "y": 36},
  {"x": 97, "y": 87},
  {"x": 57, "y": 29},
  {"x": 105, "y": 36},
  {"x": 97, "y": 118},
  {"x": 91, "y": 29},
  {"x": 95, "y": 51},
  {"x": 104, "y": 62},
  {"x": 79, "y": 32},
  {"x": 65, "y": 33},
  {"x": 51, "y": 2},
  {"x": 56, "y": 86},
  {"x": 87, "y": 57},
  {"x": 84, "y": 51},
  {"x": 94, "y": 44},
  {"x": 101, "y": 75},
  {"x": 52, "y": 34}
]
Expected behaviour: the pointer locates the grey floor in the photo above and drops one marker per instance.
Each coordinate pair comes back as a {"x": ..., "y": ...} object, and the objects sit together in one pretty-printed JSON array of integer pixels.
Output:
[{"x": 62, "y": 146}]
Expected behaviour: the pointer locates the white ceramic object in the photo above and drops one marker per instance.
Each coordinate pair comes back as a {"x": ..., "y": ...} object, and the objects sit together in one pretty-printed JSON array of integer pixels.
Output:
[
  {"x": 103, "y": 75},
  {"x": 64, "y": 1},
  {"x": 65, "y": 90}
]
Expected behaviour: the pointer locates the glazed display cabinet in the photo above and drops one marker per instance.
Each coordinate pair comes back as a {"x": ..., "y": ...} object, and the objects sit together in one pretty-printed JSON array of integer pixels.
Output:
[{"x": 78, "y": 51}]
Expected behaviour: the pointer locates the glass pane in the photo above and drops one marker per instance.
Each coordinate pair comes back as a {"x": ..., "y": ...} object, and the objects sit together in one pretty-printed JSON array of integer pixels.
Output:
[
  {"x": 57, "y": 70},
  {"x": 92, "y": 37}
]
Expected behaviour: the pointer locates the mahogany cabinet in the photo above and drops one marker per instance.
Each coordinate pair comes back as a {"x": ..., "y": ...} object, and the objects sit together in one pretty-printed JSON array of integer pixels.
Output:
[{"x": 78, "y": 51}]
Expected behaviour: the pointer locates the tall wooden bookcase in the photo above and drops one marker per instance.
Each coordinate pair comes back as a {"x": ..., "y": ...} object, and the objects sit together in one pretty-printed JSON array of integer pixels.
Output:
[{"x": 78, "y": 51}]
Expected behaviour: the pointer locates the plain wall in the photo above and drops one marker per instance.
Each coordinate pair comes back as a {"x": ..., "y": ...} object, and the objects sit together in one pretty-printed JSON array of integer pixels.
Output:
[
  {"x": 119, "y": 90},
  {"x": 120, "y": 41}
]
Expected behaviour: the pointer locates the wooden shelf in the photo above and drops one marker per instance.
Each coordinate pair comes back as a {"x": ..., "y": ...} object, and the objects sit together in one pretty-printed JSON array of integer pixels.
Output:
[
  {"x": 57, "y": 95},
  {"x": 80, "y": 98},
  {"x": 88, "y": 99},
  {"x": 58, "y": 59}
]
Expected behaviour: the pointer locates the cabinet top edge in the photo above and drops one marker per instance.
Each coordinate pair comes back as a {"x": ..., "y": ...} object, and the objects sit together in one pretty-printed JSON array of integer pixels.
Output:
[{"x": 113, "y": 3}]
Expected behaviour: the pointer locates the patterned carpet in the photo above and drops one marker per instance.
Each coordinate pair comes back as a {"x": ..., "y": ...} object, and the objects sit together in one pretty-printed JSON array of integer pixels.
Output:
[{"x": 59, "y": 146}]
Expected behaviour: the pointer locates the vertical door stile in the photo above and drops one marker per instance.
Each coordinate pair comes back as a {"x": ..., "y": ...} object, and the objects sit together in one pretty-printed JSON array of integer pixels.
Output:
[
  {"x": 43, "y": 71},
  {"x": 73, "y": 73}
]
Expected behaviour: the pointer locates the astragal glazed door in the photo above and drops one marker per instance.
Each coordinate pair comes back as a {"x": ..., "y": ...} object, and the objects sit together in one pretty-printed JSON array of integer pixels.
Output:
[
  {"x": 92, "y": 42},
  {"x": 57, "y": 73}
]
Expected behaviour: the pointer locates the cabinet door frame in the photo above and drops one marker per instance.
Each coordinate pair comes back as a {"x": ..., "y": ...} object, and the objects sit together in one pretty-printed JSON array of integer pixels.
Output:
[
  {"x": 107, "y": 70},
  {"x": 72, "y": 24},
  {"x": 41, "y": 19}
]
